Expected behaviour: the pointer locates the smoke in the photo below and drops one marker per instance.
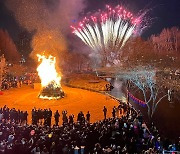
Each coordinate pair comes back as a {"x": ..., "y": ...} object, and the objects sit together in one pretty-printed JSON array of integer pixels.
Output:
[
  {"x": 49, "y": 42},
  {"x": 30, "y": 14},
  {"x": 49, "y": 20},
  {"x": 68, "y": 11},
  {"x": 7, "y": 47}
]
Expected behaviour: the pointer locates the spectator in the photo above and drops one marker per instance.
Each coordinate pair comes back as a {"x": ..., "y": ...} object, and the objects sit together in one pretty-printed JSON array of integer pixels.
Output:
[
  {"x": 114, "y": 112},
  {"x": 71, "y": 119},
  {"x": 64, "y": 117},
  {"x": 56, "y": 116},
  {"x": 105, "y": 112},
  {"x": 111, "y": 135},
  {"x": 88, "y": 117}
]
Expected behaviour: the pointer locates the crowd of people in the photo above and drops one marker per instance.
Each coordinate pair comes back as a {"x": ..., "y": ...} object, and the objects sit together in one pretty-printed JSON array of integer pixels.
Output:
[
  {"x": 9, "y": 83},
  {"x": 13, "y": 115},
  {"x": 119, "y": 134},
  {"x": 43, "y": 117},
  {"x": 13, "y": 82}
]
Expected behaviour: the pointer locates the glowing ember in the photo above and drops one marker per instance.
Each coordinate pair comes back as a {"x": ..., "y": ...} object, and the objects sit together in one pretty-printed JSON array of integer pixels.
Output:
[{"x": 50, "y": 79}]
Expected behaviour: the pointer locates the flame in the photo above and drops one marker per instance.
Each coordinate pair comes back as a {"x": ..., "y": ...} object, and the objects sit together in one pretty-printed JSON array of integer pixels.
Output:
[
  {"x": 50, "y": 79},
  {"x": 47, "y": 71}
]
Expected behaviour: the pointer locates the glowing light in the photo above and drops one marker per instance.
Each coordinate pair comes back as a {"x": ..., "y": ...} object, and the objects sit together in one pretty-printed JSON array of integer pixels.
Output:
[
  {"x": 50, "y": 79},
  {"x": 47, "y": 71},
  {"x": 49, "y": 98}
]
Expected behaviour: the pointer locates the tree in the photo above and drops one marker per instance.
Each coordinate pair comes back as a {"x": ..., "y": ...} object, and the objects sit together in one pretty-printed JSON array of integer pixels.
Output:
[
  {"x": 75, "y": 62},
  {"x": 2, "y": 68},
  {"x": 145, "y": 80},
  {"x": 168, "y": 39},
  {"x": 138, "y": 52},
  {"x": 8, "y": 48}
]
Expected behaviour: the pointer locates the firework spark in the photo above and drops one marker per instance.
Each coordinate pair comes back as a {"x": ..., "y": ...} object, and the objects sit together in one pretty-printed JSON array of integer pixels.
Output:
[{"x": 108, "y": 31}]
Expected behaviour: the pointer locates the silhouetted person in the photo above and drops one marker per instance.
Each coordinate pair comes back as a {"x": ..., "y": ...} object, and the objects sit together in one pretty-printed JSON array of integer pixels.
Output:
[
  {"x": 80, "y": 117},
  {"x": 120, "y": 109},
  {"x": 114, "y": 112},
  {"x": 25, "y": 117},
  {"x": 105, "y": 112},
  {"x": 88, "y": 117},
  {"x": 64, "y": 117},
  {"x": 56, "y": 116},
  {"x": 71, "y": 119},
  {"x": 49, "y": 117}
]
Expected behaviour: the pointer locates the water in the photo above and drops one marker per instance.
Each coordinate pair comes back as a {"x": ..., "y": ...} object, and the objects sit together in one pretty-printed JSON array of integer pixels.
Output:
[{"x": 117, "y": 90}]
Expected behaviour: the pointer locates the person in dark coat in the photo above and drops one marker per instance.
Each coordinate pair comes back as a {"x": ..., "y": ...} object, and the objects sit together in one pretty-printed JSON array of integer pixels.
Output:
[
  {"x": 71, "y": 119},
  {"x": 114, "y": 112},
  {"x": 56, "y": 117},
  {"x": 105, "y": 112},
  {"x": 88, "y": 117},
  {"x": 25, "y": 117},
  {"x": 49, "y": 117}
]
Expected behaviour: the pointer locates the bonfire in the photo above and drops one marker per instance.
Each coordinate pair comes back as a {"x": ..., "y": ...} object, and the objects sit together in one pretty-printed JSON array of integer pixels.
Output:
[{"x": 50, "y": 79}]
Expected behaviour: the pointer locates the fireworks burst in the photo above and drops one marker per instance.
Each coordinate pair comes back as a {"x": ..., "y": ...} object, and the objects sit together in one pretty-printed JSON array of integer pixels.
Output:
[{"x": 108, "y": 31}]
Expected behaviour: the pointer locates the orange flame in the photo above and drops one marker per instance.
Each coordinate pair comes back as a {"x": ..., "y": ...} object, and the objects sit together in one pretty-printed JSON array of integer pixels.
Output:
[{"x": 47, "y": 71}]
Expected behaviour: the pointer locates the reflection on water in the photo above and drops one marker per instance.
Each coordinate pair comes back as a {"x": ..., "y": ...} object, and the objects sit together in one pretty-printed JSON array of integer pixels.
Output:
[{"x": 117, "y": 90}]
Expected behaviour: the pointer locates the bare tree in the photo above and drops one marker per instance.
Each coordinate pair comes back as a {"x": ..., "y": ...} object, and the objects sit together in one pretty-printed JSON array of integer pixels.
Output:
[
  {"x": 2, "y": 68},
  {"x": 145, "y": 81},
  {"x": 75, "y": 62},
  {"x": 168, "y": 39},
  {"x": 138, "y": 52}
]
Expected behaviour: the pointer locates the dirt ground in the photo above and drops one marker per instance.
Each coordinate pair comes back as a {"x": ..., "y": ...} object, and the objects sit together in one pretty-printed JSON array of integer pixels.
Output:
[{"x": 26, "y": 98}]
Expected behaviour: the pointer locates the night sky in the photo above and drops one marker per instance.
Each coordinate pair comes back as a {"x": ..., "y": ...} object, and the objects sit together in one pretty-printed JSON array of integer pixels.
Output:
[{"x": 164, "y": 14}]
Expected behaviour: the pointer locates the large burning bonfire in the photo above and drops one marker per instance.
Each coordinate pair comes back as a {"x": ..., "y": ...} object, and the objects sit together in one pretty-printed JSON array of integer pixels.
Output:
[{"x": 50, "y": 79}]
